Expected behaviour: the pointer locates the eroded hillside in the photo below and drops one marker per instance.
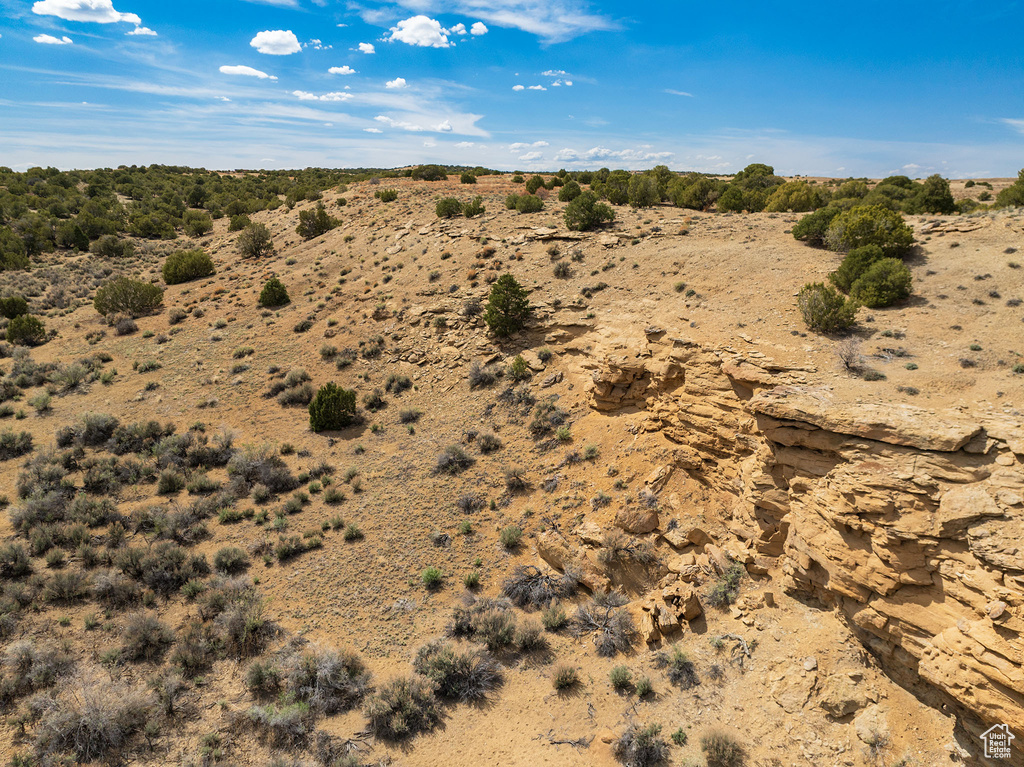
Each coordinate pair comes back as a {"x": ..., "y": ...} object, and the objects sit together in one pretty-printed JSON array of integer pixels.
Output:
[{"x": 677, "y": 439}]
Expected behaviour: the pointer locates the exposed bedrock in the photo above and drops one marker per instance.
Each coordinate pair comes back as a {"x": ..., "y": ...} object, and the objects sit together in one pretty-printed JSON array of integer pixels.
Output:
[{"x": 909, "y": 522}]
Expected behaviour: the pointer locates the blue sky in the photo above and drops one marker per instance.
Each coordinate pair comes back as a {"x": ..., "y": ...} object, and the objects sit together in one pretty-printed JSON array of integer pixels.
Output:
[{"x": 869, "y": 89}]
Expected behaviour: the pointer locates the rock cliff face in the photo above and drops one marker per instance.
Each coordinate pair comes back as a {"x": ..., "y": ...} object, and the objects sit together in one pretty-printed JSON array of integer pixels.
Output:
[{"x": 909, "y": 522}]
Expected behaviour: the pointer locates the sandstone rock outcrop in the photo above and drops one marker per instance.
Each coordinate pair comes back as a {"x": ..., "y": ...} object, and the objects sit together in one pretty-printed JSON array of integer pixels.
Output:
[{"x": 909, "y": 521}]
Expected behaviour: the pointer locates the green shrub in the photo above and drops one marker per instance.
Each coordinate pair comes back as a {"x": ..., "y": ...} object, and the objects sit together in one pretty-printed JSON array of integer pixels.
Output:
[
  {"x": 332, "y": 408},
  {"x": 185, "y": 265},
  {"x": 643, "y": 191},
  {"x": 517, "y": 179},
  {"x": 110, "y": 246},
  {"x": 813, "y": 227},
  {"x": 508, "y": 306},
  {"x": 448, "y": 207},
  {"x": 569, "y": 192},
  {"x": 473, "y": 208},
  {"x": 825, "y": 309},
  {"x": 13, "y": 253},
  {"x": 386, "y": 195},
  {"x": 529, "y": 203},
  {"x": 457, "y": 675},
  {"x": 431, "y": 578},
  {"x": 13, "y": 306},
  {"x": 239, "y": 222},
  {"x": 1013, "y": 195},
  {"x": 197, "y": 223},
  {"x": 856, "y": 262},
  {"x": 585, "y": 212},
  {"x": 467, "y": 178},
  {"x": 255, "y": 242},
  {"x": 313, "y": 223},
  {"x": 621, "y": 677},
  {"x": 797, "y": 196},
  {"x": 127, "y": 296},
  {"x": 535, "y": 183},
  {"x": 26, "y": 330},
  {"x": 870, "y": 225},
  {"x": 429, "y": 173},
  {"x": 884, "y": 283},
  {"x": 231, "y": 560},
  {"x": 274, "y": 293},
  {"x": 510, "y": 536}
]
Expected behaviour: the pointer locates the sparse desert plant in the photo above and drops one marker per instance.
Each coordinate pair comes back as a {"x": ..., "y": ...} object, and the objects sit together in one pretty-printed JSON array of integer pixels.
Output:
[
  {"x": 641, "y": 746},
  {"x": 565, "y": 678},
  {"x": 94, "y": 721},
  {"x": 127, "y": 296},
  {"x": 722, "y": 750},
  {"x": 230, "y": 560},
  {"x": 461, "y": 676},
  {"x": 727, "y": 587},
  {"x": 824, "y": 309},
  {"x": 454, "y": 460},
  {"x": 681, "y": 671},
  {"x": 386, "y": 195},
  {"x": 611, "y": 626},
  {"x": 328, "y": 680},
  {"x": 255, "y": 242},
  {"x": 144, "y": 637},
  {"x": 621, "y": 678},
  {"x": 185, "y": 265},
  {"x": 431, "y": 578},
  {"x": 403, "y": 707},
  {"x": 13, "y": 445},
  {"x": 529, "y": 586},
  {"x": 643, "y": 687},
  {"x": 510, "y": 536}
]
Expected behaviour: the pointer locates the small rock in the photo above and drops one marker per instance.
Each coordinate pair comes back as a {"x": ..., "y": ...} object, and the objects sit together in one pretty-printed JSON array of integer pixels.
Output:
[
  {"x": 996, "y": 609},
  {"x": 636, "y": 521},
  {"x": 769, "y": 600},
  {"x": 810, "y": 663}
]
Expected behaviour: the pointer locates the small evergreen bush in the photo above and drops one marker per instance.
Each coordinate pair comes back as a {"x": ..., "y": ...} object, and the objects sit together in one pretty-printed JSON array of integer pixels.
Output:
[
  {"x": 884, "y": 283},
  {"x": 585, "y": 213},
  {"x": 332, "y": 408},
  {"x": 185, "y": 265},
  {"x": 825, "y": 309},
  {"x": 448, "y": 207},
  {"x": 508, "y": 306},
  {"x": 26, "y": 330},
  {"x": 255, "y": 242},
  {"x": 274, "y": 293},
  {"x": 127, "y": 296}
]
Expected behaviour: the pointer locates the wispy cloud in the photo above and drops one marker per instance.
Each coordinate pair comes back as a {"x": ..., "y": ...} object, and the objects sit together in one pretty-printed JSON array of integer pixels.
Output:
[
  {"x": 678, "y": 93},
  {"x": 241, "y": 69},
  {"x": 51, "y": 40}
]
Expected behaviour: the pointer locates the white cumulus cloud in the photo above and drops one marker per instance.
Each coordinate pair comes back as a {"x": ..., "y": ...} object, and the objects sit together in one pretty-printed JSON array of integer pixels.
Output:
[
  {"x": 478, "y": 29},
  {"x": 51, "y": 40},
  {"x": 146, "y": 31},
  {"x": 519, "y": 87},
  {"x": 238, "y": 69},
  {"x": 445, "y": 127},
  {"x": 531, "y": 156},
  {"x": 276, "y": 42},
  {"x": 332, "y": 96},
  {"x": 398, "y": 82},
  {"x": 458, "y": 29},
  {"x": 99, "y": 11},
  {"x": 345, "y": 70},
  {"x": 422, "y": 31},
  {"x": 367, "y": 48},
  {"x": 537, "y": 88}
]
